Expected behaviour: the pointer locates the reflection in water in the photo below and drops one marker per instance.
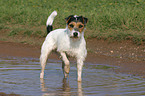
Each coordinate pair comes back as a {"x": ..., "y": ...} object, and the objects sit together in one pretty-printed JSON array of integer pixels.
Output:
[
  {"x": 43, "y": 88},
  {"x": 80, "y": 92},
  {"x": 65, "y": 86},
  {"x": 66, "y": 90}
]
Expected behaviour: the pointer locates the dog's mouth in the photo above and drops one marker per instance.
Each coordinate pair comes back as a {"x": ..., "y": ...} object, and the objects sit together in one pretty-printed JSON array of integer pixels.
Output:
[{"x": 74, "y": 37}]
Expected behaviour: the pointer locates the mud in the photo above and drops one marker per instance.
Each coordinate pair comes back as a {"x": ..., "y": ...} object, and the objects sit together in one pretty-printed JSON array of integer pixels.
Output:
[{"x": 99, "y": 52}]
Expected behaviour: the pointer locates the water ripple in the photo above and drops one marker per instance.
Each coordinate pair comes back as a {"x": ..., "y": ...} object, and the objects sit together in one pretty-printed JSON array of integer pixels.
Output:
[{"x": 21, "y": 76}]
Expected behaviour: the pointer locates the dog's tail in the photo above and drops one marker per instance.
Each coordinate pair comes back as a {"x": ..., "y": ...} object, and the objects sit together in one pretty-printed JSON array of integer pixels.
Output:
[{"x": 50, "y": 21}]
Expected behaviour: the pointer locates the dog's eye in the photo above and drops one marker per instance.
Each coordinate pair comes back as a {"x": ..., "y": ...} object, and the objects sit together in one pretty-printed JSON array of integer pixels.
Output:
[
  {"x": 71, "y": 25},
  {"x": 80, "y": 26}
]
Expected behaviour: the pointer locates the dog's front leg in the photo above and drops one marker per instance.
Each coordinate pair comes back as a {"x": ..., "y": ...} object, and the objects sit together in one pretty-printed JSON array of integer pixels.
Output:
[
  {"x": 79, "y": 69},
  {"x": 65, "y": 64}
]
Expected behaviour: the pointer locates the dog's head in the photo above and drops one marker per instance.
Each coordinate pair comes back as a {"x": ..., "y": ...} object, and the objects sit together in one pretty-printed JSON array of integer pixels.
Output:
[{"x": 76, "y": 25}]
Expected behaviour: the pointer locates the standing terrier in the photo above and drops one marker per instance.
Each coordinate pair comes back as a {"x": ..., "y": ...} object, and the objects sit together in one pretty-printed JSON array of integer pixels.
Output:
[{"x": 68, "y": 42}]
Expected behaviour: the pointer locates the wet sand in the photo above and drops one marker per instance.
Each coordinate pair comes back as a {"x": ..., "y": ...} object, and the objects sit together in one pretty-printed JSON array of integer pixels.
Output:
[
  {"x": 99, "y": 52},
  {"x": 4, "y": 94}
]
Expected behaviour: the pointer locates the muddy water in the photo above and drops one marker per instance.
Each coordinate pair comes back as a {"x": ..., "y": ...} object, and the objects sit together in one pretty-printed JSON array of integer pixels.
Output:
[{"x": 21, "y": 76}]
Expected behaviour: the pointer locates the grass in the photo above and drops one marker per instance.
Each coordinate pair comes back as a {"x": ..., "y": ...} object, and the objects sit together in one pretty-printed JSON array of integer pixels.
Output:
[{"x": 108, "y": 19}]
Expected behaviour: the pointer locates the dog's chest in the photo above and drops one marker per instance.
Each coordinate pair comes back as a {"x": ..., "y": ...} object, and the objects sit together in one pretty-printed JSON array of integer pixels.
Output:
[
  {"x": 72, "y": 51},
  {"x": 69, "y": 47}
]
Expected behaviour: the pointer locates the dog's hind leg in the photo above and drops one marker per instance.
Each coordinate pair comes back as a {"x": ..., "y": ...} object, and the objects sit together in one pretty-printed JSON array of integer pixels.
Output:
[
  {"x": 65, "y": 64},
  {"x": 45, "y": 51},
  {"x": 43, "y": 61}
]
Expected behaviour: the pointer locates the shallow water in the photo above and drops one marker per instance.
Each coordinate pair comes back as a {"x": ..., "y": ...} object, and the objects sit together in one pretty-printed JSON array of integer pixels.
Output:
[{"x": 21, "y": 76}]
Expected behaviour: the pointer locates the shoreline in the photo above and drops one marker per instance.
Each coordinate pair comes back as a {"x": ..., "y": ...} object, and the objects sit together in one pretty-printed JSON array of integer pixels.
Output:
[{"x": 125, "y": 65}]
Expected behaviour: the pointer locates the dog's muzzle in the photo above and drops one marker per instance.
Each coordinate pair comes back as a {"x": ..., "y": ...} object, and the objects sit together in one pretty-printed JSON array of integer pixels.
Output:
[{"x": 75, "y": 34}]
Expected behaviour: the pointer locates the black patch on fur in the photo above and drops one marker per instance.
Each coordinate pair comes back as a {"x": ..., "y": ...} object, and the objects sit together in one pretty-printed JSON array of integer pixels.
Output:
[
  {"x": 49, "y": 28},
  {"x": 70, "y": 19},
  {"x": 76, "y": 19},
  {"x": 82, "y": 19}
]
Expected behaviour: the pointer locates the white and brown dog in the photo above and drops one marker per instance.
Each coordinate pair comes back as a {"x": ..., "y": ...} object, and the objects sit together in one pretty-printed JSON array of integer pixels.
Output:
[{"x": 68, "y": 42}]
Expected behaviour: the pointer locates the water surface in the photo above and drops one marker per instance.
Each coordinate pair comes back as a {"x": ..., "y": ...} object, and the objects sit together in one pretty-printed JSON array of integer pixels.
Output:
[{"x": 21, "y": 76}]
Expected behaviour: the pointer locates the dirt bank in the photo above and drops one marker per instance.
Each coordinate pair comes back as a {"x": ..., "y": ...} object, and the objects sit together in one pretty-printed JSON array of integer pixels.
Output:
[
  {"x": 4, "y": 94},
  {"x": 129, "y": 57}
]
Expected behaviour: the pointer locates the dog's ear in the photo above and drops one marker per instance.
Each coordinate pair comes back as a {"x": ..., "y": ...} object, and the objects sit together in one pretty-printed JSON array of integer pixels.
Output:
[
  {"x": 69, "y": 19},
  {"x": 82, "y": 19},
  {"x": 85, "y": 20}
]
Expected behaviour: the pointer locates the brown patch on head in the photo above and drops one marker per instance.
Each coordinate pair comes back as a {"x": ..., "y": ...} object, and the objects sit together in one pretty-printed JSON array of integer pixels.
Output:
[{"x": 77, "y": 26}]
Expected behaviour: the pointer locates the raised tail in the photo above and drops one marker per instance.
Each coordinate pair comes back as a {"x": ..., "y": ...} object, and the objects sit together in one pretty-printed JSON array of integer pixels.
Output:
[{"x": 50, "y": 21}]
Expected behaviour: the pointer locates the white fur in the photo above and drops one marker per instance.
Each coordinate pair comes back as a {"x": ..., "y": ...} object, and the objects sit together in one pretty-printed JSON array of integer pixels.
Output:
[
  {"x": 60, "y": 41},
  {"x": 51, "y": 18}
]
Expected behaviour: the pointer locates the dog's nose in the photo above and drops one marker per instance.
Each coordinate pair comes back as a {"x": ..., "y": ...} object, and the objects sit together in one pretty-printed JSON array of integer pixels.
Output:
[{"x": 75, "y": 34}]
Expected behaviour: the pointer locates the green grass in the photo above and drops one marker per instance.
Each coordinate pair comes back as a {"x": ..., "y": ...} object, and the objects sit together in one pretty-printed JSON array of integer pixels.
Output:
[{"x": 108, "y": 19}]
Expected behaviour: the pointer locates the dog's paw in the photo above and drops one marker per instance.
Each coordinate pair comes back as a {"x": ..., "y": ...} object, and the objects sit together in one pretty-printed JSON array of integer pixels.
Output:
[
  {"x": 79, "y": 79},
  {"x": 67, "y": 69},
  {"x": 41, "y": 75}
]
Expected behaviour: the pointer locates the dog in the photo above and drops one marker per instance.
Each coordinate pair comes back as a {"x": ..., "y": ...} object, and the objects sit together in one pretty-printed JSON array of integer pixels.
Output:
[{"x": 67, "y": 42}]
